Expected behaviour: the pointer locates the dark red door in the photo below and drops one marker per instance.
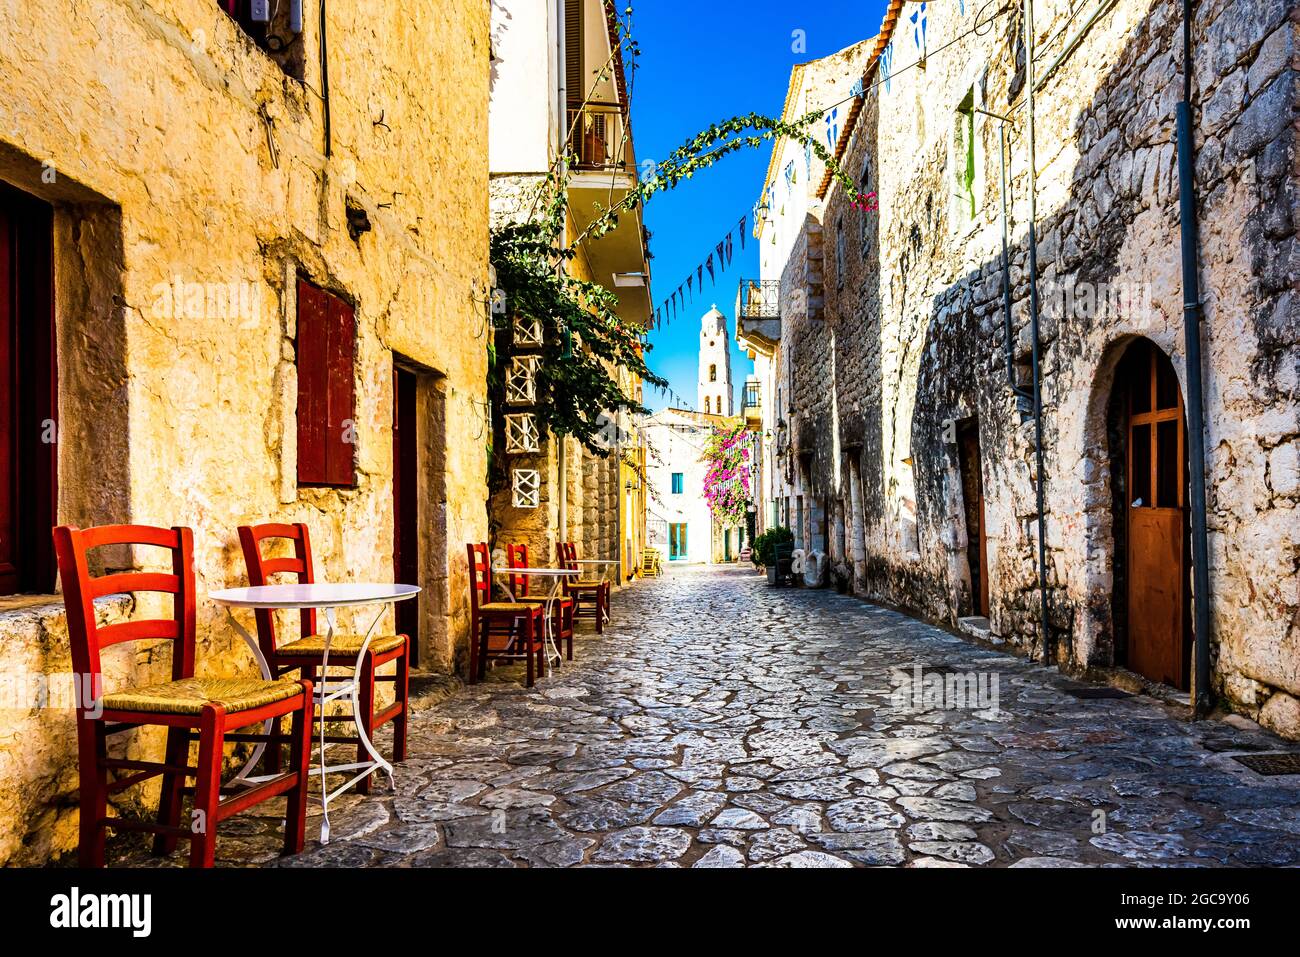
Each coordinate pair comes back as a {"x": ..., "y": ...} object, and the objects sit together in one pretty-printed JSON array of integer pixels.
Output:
[
  {"x": 406, "y": 528},
  {"x": 28, "y": 395},
  {"x": 972, "y": 484},
  {"x": 1157, "y": 526},
  {"x": 8, "y": 396}
]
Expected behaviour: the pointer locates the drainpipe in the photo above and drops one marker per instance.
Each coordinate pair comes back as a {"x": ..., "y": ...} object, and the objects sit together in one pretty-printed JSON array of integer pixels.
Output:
[
  {"x": 562, "y": 120},
  {"x": 563, "y": 472},
  {"x": 1033, "y": 322},
  {"x": 1008, "y": 332},
  {"x": 1192, "y": 316},
  {"x": 562, "y": 75},
  {"x": 325, "y": 82}
]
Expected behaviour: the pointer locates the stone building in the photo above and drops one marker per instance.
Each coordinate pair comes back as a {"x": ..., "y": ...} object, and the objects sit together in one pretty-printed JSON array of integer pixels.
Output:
[
  {"x": 558, "y": 90},
  {"x": 903, "y": 434},
  {"x": 251, "y": 270}
]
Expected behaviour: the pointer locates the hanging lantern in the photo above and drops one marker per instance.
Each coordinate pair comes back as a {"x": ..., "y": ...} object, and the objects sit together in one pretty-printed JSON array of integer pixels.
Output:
[
  {"x": 526, "y": 488},
  {"x": 522, "y": 437}
]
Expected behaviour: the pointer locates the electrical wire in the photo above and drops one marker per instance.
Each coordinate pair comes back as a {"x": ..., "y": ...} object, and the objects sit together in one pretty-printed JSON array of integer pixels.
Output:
[{"x": 977, "y": 30}]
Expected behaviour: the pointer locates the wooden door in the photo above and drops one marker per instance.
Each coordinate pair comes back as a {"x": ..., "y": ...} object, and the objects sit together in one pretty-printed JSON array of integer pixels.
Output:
[
  {"x": 29, "y": 407},
  {"x": 8, "y": 397},
  {"x": 1157, "y": 524},
  {"x": 972, "y": 487},
  {"x": 406, "y": 503}
]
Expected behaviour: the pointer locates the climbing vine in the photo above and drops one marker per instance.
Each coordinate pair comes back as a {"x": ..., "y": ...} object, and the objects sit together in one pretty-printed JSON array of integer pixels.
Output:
[
  {"x": 585, "y": 342},
  {"x": 726, "y": 483}
]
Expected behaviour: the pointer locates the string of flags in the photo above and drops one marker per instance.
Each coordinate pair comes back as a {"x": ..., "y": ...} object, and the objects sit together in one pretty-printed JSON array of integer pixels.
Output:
[{"x": 716, "y": 262}]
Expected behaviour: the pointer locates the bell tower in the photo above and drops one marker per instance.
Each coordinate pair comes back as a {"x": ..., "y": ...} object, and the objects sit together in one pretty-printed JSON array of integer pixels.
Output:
[{"x": 714, "y": 392}]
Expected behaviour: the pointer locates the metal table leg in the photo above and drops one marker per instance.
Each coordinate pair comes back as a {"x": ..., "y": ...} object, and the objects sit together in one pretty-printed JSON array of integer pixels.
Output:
[{"x": 242, "y": 777}]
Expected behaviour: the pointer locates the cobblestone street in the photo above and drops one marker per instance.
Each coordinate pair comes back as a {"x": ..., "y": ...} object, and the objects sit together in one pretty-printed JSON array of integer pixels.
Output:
[{"x": 723, "y": 723}]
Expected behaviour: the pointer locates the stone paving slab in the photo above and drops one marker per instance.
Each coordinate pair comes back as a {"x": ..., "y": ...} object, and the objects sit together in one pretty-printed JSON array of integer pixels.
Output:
[{"x": 721, "y": 723}]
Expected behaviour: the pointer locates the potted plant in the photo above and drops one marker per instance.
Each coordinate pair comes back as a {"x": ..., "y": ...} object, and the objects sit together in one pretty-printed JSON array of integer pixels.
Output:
[{"x": 765, "y": 550}]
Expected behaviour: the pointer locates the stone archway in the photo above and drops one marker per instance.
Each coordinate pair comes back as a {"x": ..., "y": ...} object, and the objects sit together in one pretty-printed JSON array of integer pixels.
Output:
[
  {"x": 1148, "y": 515},
  {"x": 1149, "y": 463}
]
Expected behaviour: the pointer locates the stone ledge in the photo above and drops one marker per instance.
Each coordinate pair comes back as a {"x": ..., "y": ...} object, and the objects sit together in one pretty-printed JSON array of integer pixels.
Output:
[{"x": 28, "y": 618}]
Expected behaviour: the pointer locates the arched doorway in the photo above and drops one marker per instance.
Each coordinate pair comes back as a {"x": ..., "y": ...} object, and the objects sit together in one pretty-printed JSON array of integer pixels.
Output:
[{"x": 1149, "y": 467}]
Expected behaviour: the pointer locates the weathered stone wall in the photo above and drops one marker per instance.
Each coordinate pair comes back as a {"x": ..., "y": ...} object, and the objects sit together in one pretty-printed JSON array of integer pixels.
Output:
[
  {"x": 179, "y": 151},
  {"x": 913, "y": 334}
]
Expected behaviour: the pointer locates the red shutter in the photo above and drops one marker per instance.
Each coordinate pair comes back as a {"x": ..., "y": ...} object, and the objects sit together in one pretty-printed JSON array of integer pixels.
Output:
[
  {"x": 341, "y": 426},
  {"x": 311, "y": 352},
  {"x": 326, "y": 352}
]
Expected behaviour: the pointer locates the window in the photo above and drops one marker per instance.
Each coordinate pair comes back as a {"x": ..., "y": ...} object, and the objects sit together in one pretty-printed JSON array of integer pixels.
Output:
[
  {"x": 719, "y": 406},
  {"x": 839, "y": 251},
  {"x": 964, "y": 161},
  {"x": 275, "y": 26},
  {"x": 326, "y": 353},
  {"x": 28, "y": 395},
  {"x": 866, "y": 208},
  {"x": 678, "y": 483},
  {"x": 707, "y": 409},
  {"x": 713, "y": 373}
]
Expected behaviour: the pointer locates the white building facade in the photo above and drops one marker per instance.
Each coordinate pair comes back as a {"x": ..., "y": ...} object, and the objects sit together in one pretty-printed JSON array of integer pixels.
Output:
[{"x": 679, "y": 523}]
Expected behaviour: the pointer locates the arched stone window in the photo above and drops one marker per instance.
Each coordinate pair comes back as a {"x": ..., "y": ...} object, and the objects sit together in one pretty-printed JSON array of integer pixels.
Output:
[{"x": 713, "y": 373}]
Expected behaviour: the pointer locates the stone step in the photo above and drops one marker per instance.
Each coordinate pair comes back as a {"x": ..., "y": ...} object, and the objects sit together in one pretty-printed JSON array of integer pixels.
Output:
[{"x": 978, "y": 627}]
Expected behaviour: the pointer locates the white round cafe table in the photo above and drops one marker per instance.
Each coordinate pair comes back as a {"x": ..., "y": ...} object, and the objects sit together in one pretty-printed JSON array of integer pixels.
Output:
[
  {"x": 326, "y": 598},
  {"x": 556, "y": 576}
]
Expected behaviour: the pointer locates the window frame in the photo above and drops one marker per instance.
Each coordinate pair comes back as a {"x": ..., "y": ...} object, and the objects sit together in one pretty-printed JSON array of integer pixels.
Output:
[
  {"x": 966, "y": 163},
  {"x": 864, "y": 178},
  {"x": 840, "y": 256}
]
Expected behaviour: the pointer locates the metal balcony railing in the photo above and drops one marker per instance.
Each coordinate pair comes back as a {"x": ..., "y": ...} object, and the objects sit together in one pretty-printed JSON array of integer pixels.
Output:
[
  {"x": 597, "y": 140},
  {"x": 759, "y": 299},
  {"x": 751, "y": 401}
]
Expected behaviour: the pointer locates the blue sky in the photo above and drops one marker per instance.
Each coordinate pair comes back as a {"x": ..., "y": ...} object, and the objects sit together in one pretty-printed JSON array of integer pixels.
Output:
[{"x": 702, "y": 62}]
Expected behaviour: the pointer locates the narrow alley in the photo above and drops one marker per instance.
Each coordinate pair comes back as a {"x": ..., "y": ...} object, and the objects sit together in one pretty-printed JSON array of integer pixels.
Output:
[{"x": 719, "y": 722}]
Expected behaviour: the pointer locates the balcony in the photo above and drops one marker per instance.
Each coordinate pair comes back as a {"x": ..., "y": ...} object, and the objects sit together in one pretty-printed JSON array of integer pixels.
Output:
[
  {"x": 604, "y": 171},
  {"x": 598, "y": 138},
  {"x": 751, "y": 406},
  {"x": 758, "y": 315}
]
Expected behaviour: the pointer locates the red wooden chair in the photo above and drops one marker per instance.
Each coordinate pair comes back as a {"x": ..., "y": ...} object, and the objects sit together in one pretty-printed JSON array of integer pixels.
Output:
[
  {"x": 561, "y": 608},
  {"x": 520, "y": 624},
  {"x": 590, "y": 595},
  {"x": 305, "y": 654},
  {"x": 206, "y": 709}
]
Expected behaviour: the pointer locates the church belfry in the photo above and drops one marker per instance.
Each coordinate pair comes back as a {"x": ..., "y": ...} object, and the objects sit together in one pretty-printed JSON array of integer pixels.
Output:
[{"x": 715, "y": 395}]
